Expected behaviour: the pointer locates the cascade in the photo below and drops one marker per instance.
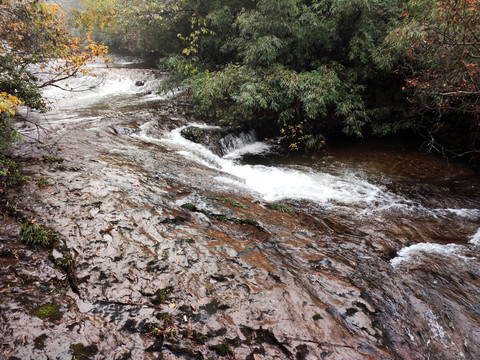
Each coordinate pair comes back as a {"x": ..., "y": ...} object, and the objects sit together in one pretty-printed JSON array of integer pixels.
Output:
[{"x": 234, "y": 142}]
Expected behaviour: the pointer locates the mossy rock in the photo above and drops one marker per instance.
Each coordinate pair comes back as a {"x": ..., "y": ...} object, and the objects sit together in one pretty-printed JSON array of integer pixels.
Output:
[
  {"x": 82, "y": 352},
  {"x": 39, "y": 342}
]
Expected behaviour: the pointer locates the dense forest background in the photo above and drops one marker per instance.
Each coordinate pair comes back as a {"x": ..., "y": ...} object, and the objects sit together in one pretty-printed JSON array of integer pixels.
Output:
[{"x": 305, "y": 70}]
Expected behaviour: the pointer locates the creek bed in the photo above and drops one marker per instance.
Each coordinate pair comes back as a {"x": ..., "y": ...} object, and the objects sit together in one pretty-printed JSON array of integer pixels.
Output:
[{"x": 362, "y": 252}]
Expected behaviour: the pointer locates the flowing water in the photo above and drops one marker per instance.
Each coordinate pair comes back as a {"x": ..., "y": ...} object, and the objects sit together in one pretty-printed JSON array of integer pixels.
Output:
[{"x": 364, "y": 251}]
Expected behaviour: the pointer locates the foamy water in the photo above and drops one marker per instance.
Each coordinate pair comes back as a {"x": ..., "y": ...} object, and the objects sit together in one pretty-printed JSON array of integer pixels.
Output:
[
  {"x": 475, "y": 239},
  {"x": 415, "y": 253},
  {"x": 277, "y": 183},
  {"x": 110, "y": 87},
  {"x": 332, "y": 187}
]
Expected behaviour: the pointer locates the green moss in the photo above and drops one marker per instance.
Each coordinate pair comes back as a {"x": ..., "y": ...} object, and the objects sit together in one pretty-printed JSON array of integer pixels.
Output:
[
  {"x": 50, "y": 159},
  {"x": 218, "y": 217},
  {"x": 34, "y": 235},
  {"x": 189, "y": 206},
  {"x": 281, "y": 207},
  {"x": 42, "y": 183},
  {"x": 246, "y": 222},
  {"x": 49, "y": 312},
  {"x": 232, "y": 202}
]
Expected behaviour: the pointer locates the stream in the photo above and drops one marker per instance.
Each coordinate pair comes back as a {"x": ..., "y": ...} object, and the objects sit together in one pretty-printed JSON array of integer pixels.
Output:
[{"x": 227, "y": 248}]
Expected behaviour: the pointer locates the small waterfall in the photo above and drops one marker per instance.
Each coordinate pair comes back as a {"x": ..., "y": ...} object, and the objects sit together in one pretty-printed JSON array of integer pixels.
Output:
[
  {"x": 275, "y": 183},
  {"x": 234, "y": 142}
]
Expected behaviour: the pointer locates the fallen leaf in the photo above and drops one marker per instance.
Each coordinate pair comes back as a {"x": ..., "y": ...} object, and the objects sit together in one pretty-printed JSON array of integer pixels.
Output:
[
  {"x": 171, "y": 306},
  {"x": 256, "y": 357},
  {"x": 194, "y": 308}
]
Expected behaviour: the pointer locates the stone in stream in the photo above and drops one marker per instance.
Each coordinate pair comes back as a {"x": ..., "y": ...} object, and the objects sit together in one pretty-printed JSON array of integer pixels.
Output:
[
  {"x": 220, "y": 141},
  {"x": 124, "y": 130}
]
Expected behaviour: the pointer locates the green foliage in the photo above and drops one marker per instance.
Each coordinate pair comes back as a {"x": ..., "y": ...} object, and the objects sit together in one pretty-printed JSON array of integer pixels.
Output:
[
  {"x": 8, "y": 135},
  {"x": 161, "y": 296},
  {"x": 35, "y": 236},
  {"x": 10, "y": 176},
  {"x": 65, "y": 262},
  {"x": 304, "y": 68},
  {"x": 436, "y": 48},
  {"x": 307, "y": 69},
  {"x": 303, "y": 104},
  {"x": 164, "y": 330},
  {"x": 83, "y": 352}
]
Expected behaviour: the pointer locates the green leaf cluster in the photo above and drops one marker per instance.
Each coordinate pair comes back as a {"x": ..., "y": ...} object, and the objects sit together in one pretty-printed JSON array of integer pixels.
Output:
[{"x": 37, "y": 236}]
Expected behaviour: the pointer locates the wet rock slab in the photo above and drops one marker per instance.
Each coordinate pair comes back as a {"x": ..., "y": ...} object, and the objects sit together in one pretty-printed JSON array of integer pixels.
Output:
[{"x": 168, "y": 265}]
